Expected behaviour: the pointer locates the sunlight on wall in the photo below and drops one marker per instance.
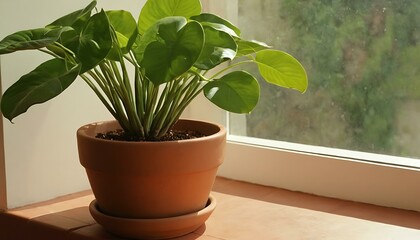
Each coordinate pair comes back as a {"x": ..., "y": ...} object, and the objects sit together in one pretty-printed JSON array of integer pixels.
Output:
[{"x": 41, "y": 157}]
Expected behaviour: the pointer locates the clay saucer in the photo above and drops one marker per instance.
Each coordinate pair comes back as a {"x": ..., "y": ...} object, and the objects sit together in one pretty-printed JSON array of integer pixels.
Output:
[{"x": 160, "y": 228}]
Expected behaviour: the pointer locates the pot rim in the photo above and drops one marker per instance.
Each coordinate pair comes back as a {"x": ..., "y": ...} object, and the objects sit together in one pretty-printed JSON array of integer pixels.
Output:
[{"x": 83, "y": 132}]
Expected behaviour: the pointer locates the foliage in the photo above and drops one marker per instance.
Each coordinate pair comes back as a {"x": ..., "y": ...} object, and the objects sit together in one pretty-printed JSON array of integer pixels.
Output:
[{"x": 172, "y": 47}]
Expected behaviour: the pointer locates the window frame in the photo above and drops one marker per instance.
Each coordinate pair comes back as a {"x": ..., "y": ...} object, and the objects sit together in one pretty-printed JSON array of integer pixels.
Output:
[
  {"x": 348, "y": 178},
  {"x": 369, "y": 178}
]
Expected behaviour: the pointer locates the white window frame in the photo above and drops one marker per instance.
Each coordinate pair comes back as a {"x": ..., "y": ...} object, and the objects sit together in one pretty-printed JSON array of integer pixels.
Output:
[
  {"x": 373, "y": 180},
  {"x": 356, "y": 176}
]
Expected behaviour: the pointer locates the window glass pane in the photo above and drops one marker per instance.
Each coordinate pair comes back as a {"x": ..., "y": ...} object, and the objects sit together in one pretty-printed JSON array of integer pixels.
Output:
[{"x": 363, "y": 62}]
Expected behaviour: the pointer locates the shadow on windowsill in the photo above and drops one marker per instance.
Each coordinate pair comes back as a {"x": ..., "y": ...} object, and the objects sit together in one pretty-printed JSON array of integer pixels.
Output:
[{"x": 386, "y": 215}]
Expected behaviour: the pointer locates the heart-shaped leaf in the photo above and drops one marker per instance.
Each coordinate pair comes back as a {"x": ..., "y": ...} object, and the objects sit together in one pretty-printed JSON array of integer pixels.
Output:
[
  {"x": 153, "y": 10},
  {"x": 95, "y": 41},
  {"x": 281, "y": 69},
  {"x": 76, "y": 19},
  {"x": 125, "y": 27},
  {"x": 249, "y": 47},
  {"x": 236, "y": 92},
  {"x": 218, "y": 47},
  {"x": 169, "y": 26},
  {"x": 218, "y": 23},
  {"x": 43, "y": 83},
  {"x": 174, "y": 52},
  {"x": 30, "y": 39}
]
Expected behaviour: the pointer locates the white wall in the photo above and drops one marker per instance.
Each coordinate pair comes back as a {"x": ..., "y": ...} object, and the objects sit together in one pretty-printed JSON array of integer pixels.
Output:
[{"x": 41, "y": 158}]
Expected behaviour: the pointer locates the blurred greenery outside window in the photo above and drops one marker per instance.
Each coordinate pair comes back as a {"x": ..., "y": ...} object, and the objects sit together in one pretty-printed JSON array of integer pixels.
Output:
[{"x": 363, "y": 62}]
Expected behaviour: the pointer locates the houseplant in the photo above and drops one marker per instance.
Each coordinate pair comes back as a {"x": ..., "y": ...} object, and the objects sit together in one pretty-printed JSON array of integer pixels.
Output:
[{"x": 146, "y": 72}]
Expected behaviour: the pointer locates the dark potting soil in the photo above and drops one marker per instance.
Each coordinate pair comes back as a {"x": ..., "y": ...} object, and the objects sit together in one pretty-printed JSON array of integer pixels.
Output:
[{"x": 171, "y": 135}]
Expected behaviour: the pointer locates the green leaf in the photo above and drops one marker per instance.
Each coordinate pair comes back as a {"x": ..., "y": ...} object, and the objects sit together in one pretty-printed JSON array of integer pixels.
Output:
[
  {"x": 236, "y": 92},
  {"x": 76, "y": 19},
  {"x": 68, "y": 39},
  {"x": 218, "y": 23},
  {"x": 218, "y": 47},
  {"x": 30, "y": 39},
  {"x": 249, "y": 47},
  {"x": 175, "y": 51},
  {"x": 125, "y": 26},
  {"x": 169, "y": 28},
  {"x": 282, "y": 69},
  {"x": 153, "y": 10},
  {"x": 95, "y": 41},
  {"x": 43, "y": 83}
]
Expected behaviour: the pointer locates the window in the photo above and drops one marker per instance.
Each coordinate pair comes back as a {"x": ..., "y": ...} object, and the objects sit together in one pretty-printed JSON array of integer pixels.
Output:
[
  {"x": 362, "y": 60},
  {"x": 304, "y": 160}
]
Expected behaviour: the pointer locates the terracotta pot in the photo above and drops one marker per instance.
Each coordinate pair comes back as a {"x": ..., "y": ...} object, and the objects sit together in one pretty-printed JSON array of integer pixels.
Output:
[{"x": 150, "y": 180}]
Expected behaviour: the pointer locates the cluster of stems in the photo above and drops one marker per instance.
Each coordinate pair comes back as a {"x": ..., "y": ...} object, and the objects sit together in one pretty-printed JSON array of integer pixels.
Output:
[{"x": 143, "y": 109}]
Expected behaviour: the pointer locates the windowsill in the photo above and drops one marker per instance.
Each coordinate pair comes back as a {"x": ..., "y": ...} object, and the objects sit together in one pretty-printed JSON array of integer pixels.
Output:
[{"x": 244, "y": 211}]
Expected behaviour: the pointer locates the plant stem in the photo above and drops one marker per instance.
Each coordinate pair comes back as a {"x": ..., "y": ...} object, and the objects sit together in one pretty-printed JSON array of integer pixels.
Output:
[
  {"x": 49, "y": 53},
  {"x": 230, "y": 67}
]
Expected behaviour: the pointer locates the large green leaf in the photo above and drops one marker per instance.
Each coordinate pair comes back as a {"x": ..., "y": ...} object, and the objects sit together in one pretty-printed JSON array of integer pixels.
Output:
[
  {"x": 249, "y": 47},
  {"x": 70, "y": 40},
  {"x": 218, "y": 23},
  {"x": 175, "y": 51},
  {"x": 30, "y": 39},
  {"x": 125, "y": 27},
  {"x": 95, "y": 41},
  {"x": 76, "y": 19},
  {"x": 218, "y": 47},
  {"x": 154, "y": 10},
  {"x": 281, "y": 69},
  {"x": 236, "y": 92},
  {"x": 43, "y": 83},
  {"x": 169, "y": 26}
]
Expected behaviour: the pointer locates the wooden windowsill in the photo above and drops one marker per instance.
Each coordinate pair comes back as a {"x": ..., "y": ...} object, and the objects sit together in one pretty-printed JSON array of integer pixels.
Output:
[{"x": 244, "y": 211}]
